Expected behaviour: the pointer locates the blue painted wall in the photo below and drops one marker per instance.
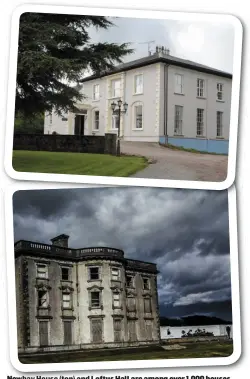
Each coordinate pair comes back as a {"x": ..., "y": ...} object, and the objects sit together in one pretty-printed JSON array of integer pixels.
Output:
[{"x": 211, "y": 146}]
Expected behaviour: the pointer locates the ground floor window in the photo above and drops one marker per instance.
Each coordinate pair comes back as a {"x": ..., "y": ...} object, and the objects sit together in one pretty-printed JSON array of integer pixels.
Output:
[
  {"x": 138, "y": 117},
  {"x": 115, "y": 122},
  {"x": 219, "y": 131},
  {"x": 178, "y": 120},
  {"x": 117, "y": 329},
  {"x": 149, "y": 330},
  {"x": 200, "y": 122},
  {"x": 44, "y": 333},
  {"x": 96, "y": 120},
  {"x": 132, "y": 336},
  {"x": 67, "y": 332},
  {"x": 96, "y": 330}
]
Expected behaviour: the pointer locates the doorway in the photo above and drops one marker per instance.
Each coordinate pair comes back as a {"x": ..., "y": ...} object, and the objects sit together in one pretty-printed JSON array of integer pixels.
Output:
[{"x": 80, "y": 124}]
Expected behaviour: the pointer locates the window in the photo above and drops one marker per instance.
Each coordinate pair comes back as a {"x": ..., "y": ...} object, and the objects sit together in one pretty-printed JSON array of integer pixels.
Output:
[
  {"x": 66, "y": 300},
  {"x": 219, "y": 91},
  {"x": 94, "y": 273},
  {"x": 147, "y": 305},
  {"x": 96, "y": 92},
  {"x": 96, "y": 120},
  {"x": 200, "y": 87},
  {"x": 132, "y": 330},
  {"x": 95, "y": 299},
  {"x": 115, "y": 273},
  {"x": 200, "y": 122},
  {"x": 145, "y": 283},
  {"x": 43, "y": 333},
  {"x": 117, "y": 329},
  {"x": 42, "y": 299},
  {"x": 115, "y": 122},
  {"x": 67, "y": 332},
  {"x": 116, "y": 88},
  {"x": 42, "y": 271},
  {"x": 96, "y": 330},
  {"x": 178, "y": 120},
  {"x": 138, "y": 84},
  {"x": 50, "y": 118},
  {"x": 131, "y": 304},
  {"x": 178, "y": 83},
  {"x": 219, "y": 131},
  {"x": 116, "y": 300},
  {"x": 138, "y": 116},
  {"x": 129, "y": 281},
  {"x": 65, "y": 273},
  {"x": 149, "y": 330}
]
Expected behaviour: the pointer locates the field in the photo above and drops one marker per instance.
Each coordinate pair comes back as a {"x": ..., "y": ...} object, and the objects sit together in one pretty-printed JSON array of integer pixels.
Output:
[
  {"x": 76, "y": 163},
  {"x": 191, "y": 350}
]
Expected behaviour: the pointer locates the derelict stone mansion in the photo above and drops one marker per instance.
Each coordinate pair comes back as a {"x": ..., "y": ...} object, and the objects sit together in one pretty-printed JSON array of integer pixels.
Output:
[{"x": 83, "y": 298}]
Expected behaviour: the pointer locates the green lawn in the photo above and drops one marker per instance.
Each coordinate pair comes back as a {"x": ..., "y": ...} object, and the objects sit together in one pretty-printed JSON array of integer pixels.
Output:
[
  {"x": 76, "y": 163},
  {"x": 192, "y": 350}
]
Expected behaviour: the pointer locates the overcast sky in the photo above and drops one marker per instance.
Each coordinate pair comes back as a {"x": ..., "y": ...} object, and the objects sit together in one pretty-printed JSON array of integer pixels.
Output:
[
  {"x": 211, "y": 43},
  {"x": 185, "y": 232}
]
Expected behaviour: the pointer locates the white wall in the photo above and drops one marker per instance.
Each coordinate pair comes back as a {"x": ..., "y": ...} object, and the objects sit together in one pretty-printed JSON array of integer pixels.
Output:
[
  {"x": 190, "y": 102},
  {"x": 176, "y": 331}
]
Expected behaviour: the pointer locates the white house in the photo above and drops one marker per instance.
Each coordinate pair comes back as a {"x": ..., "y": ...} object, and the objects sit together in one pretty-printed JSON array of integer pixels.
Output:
[{"x": 170, "y": 100}]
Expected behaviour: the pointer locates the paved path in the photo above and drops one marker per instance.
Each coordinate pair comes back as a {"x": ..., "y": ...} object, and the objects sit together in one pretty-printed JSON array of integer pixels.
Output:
[{"x": 177, "y": 164}]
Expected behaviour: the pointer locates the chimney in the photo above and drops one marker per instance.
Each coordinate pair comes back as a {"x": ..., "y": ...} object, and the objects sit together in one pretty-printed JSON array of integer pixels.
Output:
[{"x": 61, "y": 240}]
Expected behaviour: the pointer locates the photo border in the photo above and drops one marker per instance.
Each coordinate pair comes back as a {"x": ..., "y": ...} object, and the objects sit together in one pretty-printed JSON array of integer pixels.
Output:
[
  {"x": 104, "y": 180},
  {"x": 145, "y": 364}
]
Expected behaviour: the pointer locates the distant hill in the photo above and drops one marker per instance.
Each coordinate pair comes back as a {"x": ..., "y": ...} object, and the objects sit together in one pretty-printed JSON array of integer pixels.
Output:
[{"x": 192, "y": 320}]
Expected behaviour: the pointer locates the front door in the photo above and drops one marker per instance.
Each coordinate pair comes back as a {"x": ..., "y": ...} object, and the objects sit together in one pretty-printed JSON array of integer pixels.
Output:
[{"x": 79, "y": 124}]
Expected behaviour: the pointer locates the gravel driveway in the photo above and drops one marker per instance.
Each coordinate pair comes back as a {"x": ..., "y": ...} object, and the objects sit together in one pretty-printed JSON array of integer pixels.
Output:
[{"x": 177, "y": 164}]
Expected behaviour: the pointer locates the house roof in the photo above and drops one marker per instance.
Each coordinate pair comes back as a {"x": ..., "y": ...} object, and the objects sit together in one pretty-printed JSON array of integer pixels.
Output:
[{"x": 160, "y": 58}]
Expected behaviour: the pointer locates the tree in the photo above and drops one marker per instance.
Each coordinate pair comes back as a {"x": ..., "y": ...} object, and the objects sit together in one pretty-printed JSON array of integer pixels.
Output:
[{"x": 53, "y": 53}]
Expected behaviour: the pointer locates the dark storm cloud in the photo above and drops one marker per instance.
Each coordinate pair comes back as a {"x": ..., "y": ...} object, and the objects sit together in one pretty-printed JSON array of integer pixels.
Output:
[{"x": 185, "y": 232}]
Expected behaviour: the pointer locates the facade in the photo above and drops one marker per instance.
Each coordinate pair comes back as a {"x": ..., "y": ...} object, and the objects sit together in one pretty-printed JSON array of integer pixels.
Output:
[
  {"x": 170, "y": 100},
  {"x": 83, "y": 298}
]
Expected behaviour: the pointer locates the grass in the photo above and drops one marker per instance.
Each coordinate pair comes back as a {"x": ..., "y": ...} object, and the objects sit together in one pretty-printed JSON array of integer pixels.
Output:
[
  {"x": 173, "y": 147},
  {"x": 76, "y": 163},
  {"x": 192, "y": 350}
]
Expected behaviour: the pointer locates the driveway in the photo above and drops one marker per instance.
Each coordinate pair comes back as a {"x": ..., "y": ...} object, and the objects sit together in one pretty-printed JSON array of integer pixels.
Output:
[{"x": 177, "y": 164}]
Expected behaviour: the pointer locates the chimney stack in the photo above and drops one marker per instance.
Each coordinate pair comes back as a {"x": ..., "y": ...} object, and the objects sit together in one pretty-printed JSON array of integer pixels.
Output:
[{"x": 61, "y": 240}]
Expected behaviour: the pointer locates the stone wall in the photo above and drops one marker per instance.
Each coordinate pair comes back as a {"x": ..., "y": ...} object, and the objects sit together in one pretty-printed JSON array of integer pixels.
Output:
[{"x": 66, "y": 143}]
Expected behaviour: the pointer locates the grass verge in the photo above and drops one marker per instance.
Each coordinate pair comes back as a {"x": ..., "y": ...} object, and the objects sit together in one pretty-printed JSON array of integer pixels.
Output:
[
  {"x": 191, "y": 350},
  {"x": 76, "y": 163}
]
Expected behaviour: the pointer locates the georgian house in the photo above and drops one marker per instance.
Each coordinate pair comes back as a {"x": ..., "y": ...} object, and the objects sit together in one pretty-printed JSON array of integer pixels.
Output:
[
  {"x": 71, "y": 299},
  {"x": 170, "y": 100}
]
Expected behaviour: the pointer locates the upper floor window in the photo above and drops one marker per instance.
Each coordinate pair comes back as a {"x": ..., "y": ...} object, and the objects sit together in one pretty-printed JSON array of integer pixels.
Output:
[
  {"x": 116, "y": 299},
  {"x": 65, "y": 273},
  {"x": 66, "y": 300},
  {"x": 96, "y": 92},
  {"x": 219, "y": 129},
  {"x": 129, "y": 281},
  {"x": 178, "y": 120},
  {"x": 219, "y": 91},
  {"x": 178, "y": 83},
  {"x": 145, "y": 283},
  {"x": 94, "y": 273},
  {"x": 50, "y": 118},
  {"x": 95, "y": 299},
  {"x": 42, "y": 297},
  {"x": 115, "y": 273},
  {"x": 116, "y": 88},
  {"x": 138, "y": 116},
  {"x": 138, "y": 85},
  {"x": 96, "y": 120},
  {"x": 42, "y": 271},
  {"x": 200, "y": 88},
  {"x": 200, "y": 122}
]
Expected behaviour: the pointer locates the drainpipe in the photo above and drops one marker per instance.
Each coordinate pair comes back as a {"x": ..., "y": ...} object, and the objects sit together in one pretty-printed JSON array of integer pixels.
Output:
[{"x": 166, "y": 103}]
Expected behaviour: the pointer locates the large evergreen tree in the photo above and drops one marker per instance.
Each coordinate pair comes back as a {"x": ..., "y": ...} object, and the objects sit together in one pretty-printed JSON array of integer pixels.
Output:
[{"x": 54, "y": 51}]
